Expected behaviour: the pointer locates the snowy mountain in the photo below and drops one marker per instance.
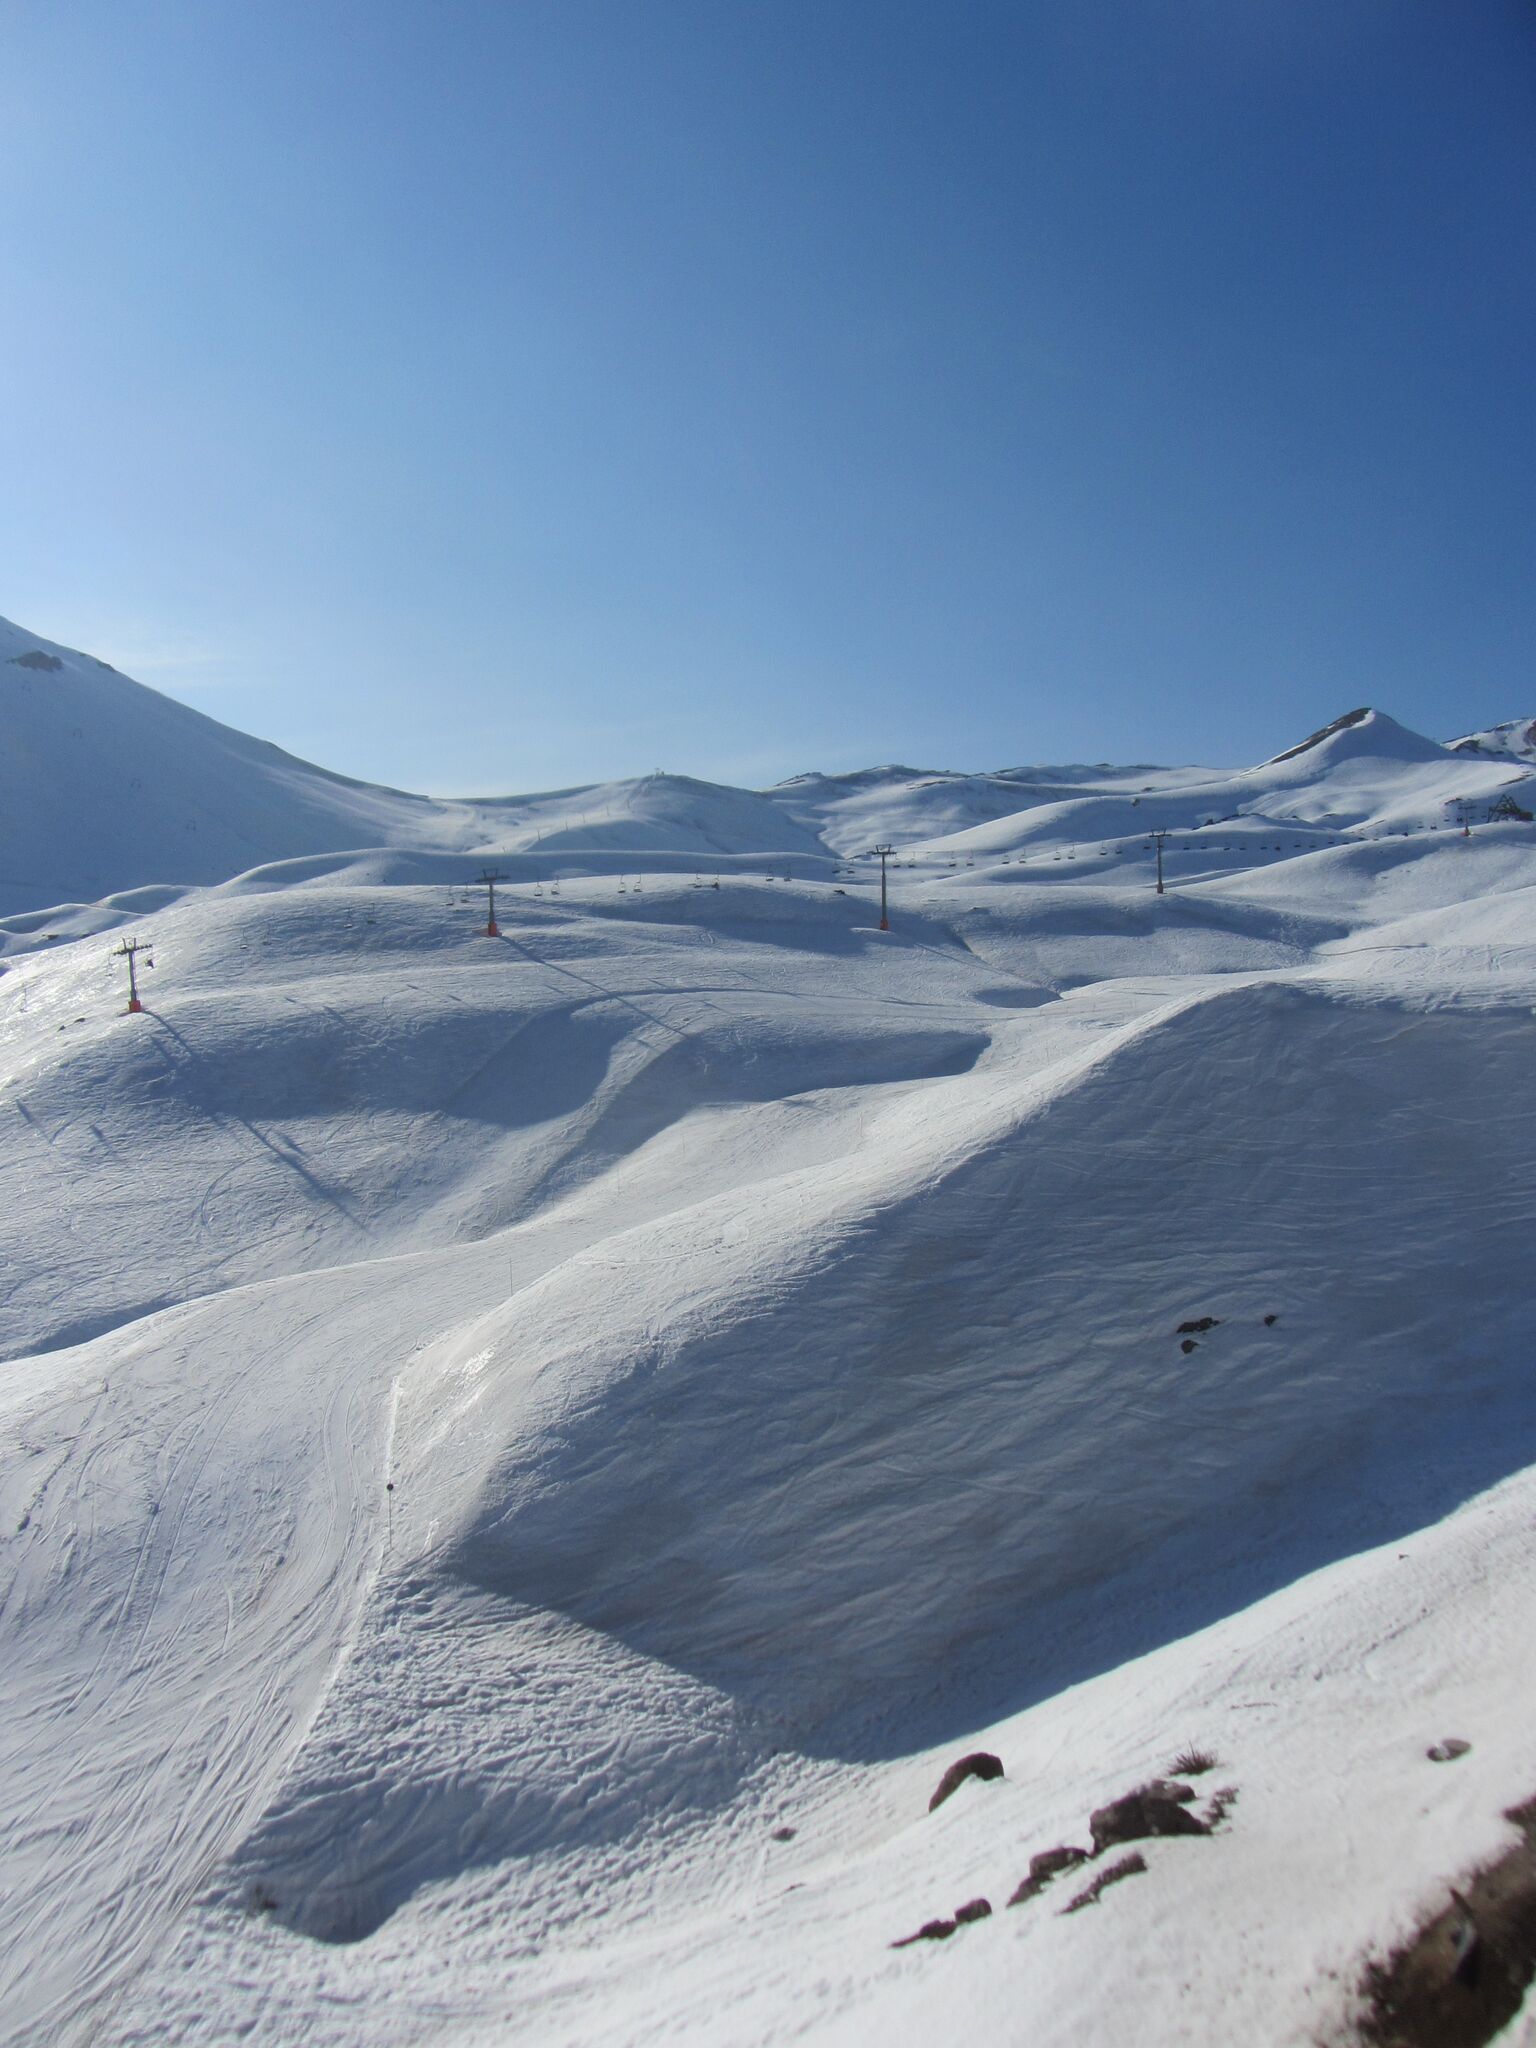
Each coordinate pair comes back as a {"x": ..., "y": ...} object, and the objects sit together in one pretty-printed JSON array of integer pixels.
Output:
[
  {"x": 1515, "y": 738},
  {"x": 527, "y": 1457},
  {"x": 107, "y": 787}
]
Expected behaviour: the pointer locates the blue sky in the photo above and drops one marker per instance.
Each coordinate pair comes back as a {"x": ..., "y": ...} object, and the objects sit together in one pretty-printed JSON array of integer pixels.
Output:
[{"x": 500, "y": 394}]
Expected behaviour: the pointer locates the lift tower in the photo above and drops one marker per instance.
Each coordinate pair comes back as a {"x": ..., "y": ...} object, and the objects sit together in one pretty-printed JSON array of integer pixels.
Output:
[
  {"x": 883, "y": 854},
  {"x": 127, "y": 950},
  {"x": 488, "y": 880}
]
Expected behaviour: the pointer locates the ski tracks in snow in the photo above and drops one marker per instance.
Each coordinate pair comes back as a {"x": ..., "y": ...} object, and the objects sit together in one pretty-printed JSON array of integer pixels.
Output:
[{"x": 182, "y": 1589}]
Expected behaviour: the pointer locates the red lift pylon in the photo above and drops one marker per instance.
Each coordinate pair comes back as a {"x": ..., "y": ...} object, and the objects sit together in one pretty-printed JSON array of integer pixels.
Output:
[
  {"x": 488, "y": 881},
  {"x": 127, "y": 950}
]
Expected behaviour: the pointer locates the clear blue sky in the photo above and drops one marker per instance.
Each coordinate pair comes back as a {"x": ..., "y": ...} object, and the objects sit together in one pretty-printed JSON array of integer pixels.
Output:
[{"x": 494, "y": 394}]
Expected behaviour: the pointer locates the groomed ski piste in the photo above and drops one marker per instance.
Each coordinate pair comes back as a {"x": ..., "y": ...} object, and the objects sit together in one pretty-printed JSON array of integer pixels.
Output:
[{"x": 525, "y": 1458}]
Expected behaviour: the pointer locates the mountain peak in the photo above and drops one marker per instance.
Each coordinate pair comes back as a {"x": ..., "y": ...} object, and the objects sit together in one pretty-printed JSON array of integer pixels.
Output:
[{"x": 1366, "y": 732}]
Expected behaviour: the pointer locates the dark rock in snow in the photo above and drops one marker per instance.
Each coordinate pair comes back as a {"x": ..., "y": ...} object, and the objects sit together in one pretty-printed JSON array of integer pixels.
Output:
[
  {"x": 1222, "y": 1803},
  {"x": 1140, "y": 1815},
  {"x": 783, "y": 1834},
  {"x": 35, "y": 658},
  {"x": 1187, "y": 1346},
  {"x": 1128, "y": 1866},
  {"x": 1170, "y": 1788},
  {"x": 931, "y": 1930},
  {"x": 1198, "y": 1327},
  {"x": 1446, "y": 1752},
  {"x": 1270, "y": 1321},
  {"x": 973, "y": 1909},
  {"x": 1042, "y": 1868},
  {"x": 979, "y": 1764},
  {"x": 1464, "y": 1975}
]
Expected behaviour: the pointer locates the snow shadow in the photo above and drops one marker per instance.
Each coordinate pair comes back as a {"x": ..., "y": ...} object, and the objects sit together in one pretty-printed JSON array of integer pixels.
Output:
[{"x": 957, "y": 1455}]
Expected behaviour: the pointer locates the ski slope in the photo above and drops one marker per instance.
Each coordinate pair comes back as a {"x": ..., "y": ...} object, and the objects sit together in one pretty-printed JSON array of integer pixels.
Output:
[{"x": 524, "y": 1457}]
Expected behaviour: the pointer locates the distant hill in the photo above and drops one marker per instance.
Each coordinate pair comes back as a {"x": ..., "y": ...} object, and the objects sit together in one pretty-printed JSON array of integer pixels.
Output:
[{"x": 107, "y": 786}]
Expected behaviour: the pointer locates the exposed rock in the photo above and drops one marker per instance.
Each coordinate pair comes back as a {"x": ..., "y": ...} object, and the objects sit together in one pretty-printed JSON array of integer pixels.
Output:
[
  {"x": 1198, "y": 1327},
  {"x": 1170, "y": 1788},
  {"x": 1187, "y": 1346},
  {"x": 1324, "y": 732},
  {"x": 973, "y": 1909},
  {"x": 1140, "y": 1815},
  {"x": 1222, "y": 1802},
  {"x": 35, "y": 658},
  {"x": 1461, "y": 1979},
  {"x": 784, "y": 1834},
  {"x": 1088, "y": 1896},
  {"x": 1446, "y": 1752},
  {"x": 1042, "y": 1868},
  {"x": 931, "y": 1930},
  {"x": 1270, "y": 1321},
  {"x": 979, "y": 1764}
]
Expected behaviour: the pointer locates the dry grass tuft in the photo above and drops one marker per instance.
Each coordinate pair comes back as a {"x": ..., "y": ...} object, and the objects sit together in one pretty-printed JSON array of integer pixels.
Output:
[{"x": 1191, "y": 1763}]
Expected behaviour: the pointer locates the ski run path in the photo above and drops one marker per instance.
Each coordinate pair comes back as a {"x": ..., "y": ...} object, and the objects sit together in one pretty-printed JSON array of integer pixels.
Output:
[{"x": 523, "y": 1459}]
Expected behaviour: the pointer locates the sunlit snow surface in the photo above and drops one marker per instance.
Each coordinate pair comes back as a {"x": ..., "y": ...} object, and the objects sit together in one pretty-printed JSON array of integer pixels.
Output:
[{"x": 494, "y": 1429}]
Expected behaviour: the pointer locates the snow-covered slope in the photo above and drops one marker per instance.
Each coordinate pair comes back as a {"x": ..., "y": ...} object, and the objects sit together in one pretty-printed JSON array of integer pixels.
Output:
[
  {"x": 524, "y": 1458},
  {"x": 107, "y": 787},
  {"x": 1515, "y": 738}
]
